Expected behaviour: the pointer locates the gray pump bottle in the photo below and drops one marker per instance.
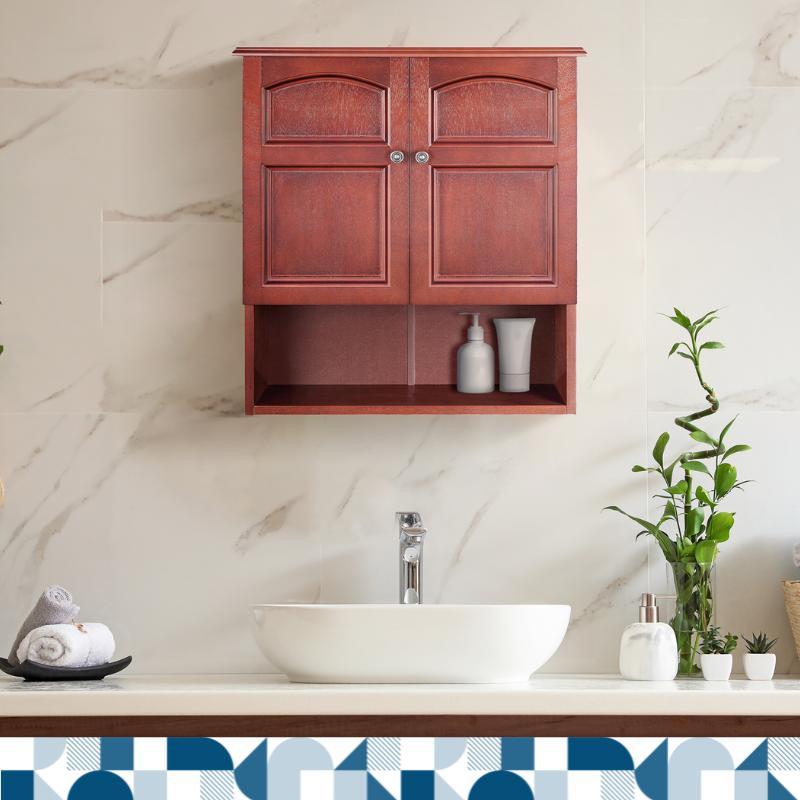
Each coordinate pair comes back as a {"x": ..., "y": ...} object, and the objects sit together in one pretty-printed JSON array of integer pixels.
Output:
[{"x": 475, "y": 361}]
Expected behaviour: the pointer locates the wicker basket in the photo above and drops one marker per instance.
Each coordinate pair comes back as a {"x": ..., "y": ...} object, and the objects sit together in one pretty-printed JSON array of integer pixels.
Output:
[{"x": 791, "y": 595}]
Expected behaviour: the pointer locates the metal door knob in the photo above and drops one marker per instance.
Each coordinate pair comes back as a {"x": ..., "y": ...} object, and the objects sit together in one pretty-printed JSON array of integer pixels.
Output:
[
  {"x": 422, "y": 157},
  {"x": 397, "y": 157}
]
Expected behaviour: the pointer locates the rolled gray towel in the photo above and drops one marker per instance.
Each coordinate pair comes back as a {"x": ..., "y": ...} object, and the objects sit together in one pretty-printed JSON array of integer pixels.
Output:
[{"x": 54, "y": 607}]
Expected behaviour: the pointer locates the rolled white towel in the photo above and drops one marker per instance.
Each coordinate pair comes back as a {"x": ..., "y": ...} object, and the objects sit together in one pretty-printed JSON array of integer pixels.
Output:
[
  {"x": 71, "y": 644},
  {"x": 52, "y": 608}
]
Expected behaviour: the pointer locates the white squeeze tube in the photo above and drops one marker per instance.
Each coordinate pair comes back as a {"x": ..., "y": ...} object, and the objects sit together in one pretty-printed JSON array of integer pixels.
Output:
[{"x": 514, "y": 347}]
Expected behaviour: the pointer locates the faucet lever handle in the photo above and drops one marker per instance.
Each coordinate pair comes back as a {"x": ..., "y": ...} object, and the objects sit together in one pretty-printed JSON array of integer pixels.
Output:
[
  {"x": 408, "y": 517},
  {"x": 410, "y": 521}
]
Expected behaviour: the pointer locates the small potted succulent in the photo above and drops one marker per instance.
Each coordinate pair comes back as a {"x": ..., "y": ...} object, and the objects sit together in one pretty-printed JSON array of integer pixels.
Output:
[
  {"x": 759, "y": 663},
  {"x": 716, "y": 659}
]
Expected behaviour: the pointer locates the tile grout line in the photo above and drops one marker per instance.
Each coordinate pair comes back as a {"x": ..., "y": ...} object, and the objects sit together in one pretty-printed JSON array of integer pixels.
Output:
[{"x": 645, "y": 292}]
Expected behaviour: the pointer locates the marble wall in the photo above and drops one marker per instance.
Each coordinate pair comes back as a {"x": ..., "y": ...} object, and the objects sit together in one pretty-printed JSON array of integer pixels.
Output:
[{"x": 134, "y": 478}]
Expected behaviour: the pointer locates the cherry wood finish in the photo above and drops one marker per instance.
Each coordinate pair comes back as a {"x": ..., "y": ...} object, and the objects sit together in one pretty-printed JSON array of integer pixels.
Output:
[
  {"x": 496, "y": 52},
  {"x": 564, "y": 349},
  {"x": 404, "y": 399},
  {"x": 410, "y": 725},
  {"x": 326, "y": 211},
  {"x": 493, "y": 211},
  {"x": 394, "y": 359},
  {"x": 330, "y": 222}
]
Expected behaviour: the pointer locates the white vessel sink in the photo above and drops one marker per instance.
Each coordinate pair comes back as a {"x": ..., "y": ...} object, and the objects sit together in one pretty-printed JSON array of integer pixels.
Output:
[{"x": 409, "y": 644}]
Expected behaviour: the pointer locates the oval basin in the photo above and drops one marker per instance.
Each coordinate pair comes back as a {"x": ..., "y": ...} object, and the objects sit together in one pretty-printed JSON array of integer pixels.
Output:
[{"x": 409, "y": 644}]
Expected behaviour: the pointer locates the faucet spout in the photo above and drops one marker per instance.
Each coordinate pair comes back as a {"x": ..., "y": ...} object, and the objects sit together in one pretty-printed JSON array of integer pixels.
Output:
[{"x": 412, "y": 533}]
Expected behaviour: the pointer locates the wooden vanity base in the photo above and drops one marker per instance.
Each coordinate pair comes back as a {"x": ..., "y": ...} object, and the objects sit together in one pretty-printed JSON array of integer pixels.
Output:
[{"x": 406, "y": 725}]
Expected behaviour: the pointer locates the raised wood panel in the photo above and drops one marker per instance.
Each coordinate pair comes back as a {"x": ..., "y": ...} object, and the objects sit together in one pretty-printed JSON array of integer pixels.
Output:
[
  {"x": 326, "y": 212},
  {"x": 493, "y": 210},
  {"x": 282, "y": 69},
  {"x": 327, "y": 108},
  {"x": 493, "y": 225},
  {"x": 326, "y": 224},
  {"x": 493, "y": 109}
]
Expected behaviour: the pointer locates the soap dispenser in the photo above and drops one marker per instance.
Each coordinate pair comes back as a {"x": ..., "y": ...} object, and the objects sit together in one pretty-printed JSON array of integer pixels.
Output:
[
  {"x": 475, "y": 360},
  {"x": 648, "y": 650}
]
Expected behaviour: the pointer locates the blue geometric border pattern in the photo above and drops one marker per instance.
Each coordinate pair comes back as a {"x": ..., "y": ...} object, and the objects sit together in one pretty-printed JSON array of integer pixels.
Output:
[{"x": 392, "y": 768}]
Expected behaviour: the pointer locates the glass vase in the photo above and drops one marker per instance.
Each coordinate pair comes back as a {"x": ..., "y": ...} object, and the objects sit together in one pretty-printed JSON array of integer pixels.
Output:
[{"x": 694, "y": 611}]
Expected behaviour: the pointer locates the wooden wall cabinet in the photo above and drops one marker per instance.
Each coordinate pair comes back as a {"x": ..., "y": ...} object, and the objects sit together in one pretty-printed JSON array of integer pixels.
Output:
[{"x": 381, "y": 189}]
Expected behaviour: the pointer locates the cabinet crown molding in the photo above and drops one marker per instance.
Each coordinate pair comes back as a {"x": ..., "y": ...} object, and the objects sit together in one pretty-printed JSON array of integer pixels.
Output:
[{"x": 419, "y": 52}]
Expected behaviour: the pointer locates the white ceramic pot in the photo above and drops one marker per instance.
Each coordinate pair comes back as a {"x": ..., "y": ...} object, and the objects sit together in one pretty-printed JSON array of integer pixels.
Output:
[
  {"x": 759, "y": 666},
  {"x": 716, "y": 667}
]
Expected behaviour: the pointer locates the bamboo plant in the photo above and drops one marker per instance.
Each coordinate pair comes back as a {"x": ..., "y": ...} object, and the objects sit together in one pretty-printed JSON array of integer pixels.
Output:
[{"x": 697, "y": 482}]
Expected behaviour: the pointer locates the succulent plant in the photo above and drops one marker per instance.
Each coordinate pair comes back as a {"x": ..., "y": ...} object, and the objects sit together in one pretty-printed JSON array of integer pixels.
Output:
[
  {"x": 759, "y": 643},
  {"x": 712, "y": 644}
]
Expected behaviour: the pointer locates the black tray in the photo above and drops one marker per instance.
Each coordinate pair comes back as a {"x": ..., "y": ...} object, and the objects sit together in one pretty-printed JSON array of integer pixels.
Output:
[{"x": 31, "y": 671}]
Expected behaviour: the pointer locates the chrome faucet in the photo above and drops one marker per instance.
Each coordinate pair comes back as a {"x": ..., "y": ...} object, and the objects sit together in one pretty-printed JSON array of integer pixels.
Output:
[{"x": 412, "y": 536}]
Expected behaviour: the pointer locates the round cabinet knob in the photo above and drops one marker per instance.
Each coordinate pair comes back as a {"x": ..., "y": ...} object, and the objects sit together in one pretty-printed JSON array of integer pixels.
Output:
[
  {"x": 422, "y": 157},
  {"x": 397, "y": 157}
]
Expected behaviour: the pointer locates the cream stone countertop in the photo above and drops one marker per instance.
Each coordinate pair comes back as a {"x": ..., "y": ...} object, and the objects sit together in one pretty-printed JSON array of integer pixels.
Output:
[{"x": 122, "y": 695}]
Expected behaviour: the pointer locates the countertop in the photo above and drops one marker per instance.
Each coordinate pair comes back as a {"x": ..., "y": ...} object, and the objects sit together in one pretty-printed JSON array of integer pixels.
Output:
[{"x": 242, "y": 695}]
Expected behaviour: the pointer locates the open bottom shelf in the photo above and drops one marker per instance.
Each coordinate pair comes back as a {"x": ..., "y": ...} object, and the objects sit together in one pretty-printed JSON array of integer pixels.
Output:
[{"x": 402, "y": 399}]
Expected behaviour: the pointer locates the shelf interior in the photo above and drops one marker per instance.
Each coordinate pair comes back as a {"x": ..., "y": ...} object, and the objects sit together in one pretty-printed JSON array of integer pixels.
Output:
[
  {"x": 421, "y": 398},
  {"x": 392, "y": 359}
]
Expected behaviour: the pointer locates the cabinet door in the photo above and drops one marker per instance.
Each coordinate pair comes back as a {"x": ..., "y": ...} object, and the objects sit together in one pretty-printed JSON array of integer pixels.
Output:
[
  {"x": 493, "y": 207},
  {"x": 325, "y": 208}
]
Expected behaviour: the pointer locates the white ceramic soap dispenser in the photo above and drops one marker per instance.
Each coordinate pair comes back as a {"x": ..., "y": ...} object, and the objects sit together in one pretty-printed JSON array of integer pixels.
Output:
[
  {"x": 648, "y": 650},
  {"x": 475, "y": 360}
]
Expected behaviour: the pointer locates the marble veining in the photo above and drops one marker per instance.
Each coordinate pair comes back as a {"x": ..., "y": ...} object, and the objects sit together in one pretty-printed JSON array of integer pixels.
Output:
[
  {"x": 19, "y": 135},
  {"x": 132, "y": 475},
  {"x": 219, "y": 209},
  {"x": 273, "y": 521}
]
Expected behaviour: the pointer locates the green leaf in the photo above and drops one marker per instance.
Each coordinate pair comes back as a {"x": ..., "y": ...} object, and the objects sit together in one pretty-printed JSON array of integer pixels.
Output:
[
  {"x": 702, "y": 325},
  {"x": 727, "y": 428},
  {"x": 737, "y": 448},
  {"x": 669, "y": 470},
  {"x": 658, "y": 450},
  {"x": 724, "y": 479},
  {"x": 664, "y": 542},
  {"x": 719, "y": 526},
  {"x": 712, "y": 346},
  {"x": 679, "y": 488},
  {"x": 704, "y": 318},
  {"x": 648, "y": 526},
  {"x": 674, "y": 348},
  {"x": 639, "y": 468},
  {"x": 702, "y": 495},
  {"x": 669, "y": 513},
  {"x": 695, "y": 466},
  {"x": 686, "y": 355},
  {"x": 705, "y": 552},
  {"x": 682, "y": 319},
  {"x": 702, "y": 436},
  {"x": 694, "y": 522}
]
